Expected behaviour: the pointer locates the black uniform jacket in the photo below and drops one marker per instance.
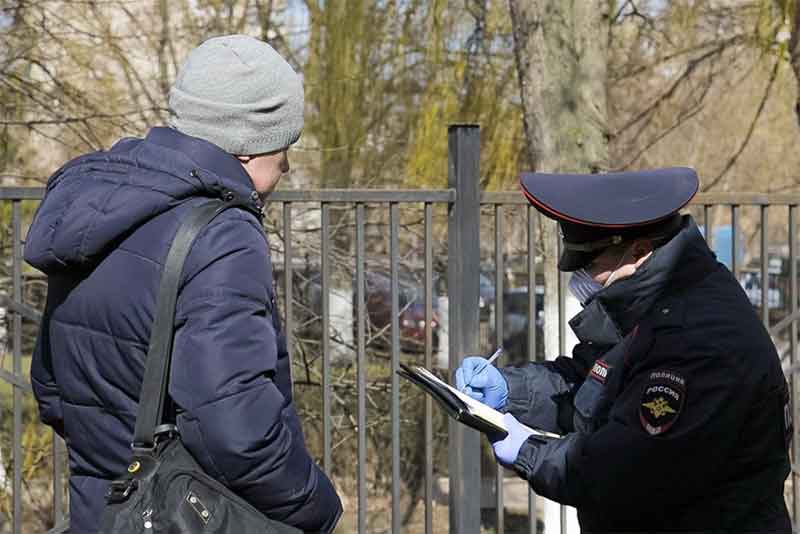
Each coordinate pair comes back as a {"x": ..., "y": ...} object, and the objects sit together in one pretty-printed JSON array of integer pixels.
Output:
[{"x": 674, "y": 404}]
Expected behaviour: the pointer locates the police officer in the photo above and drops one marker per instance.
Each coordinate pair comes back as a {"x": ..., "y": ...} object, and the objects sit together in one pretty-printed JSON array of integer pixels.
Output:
[{"x": 673, "y": 408}]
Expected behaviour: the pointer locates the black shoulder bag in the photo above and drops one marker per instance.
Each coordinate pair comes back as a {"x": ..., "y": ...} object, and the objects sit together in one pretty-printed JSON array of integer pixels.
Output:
[{"x": 165, "y": 490}]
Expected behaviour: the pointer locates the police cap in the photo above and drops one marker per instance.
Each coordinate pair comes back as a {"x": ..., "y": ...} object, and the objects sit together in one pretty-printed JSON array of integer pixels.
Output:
[{"x": 595, "y": 211}]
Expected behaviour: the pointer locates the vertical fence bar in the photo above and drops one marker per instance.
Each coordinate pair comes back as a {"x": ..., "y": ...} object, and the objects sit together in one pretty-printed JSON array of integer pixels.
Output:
[
  {"x": 58, "y": 474},
  {"x": 463, "y": 275},
  {"x": 764, "y": 268},
  {"x": 709, "y": 224},
  {"x": 287, "y": 284},
  {"x": 17, "y": 366},
  {"x": 428, "y": 365},
  {"x": 793, "y": 331},
  {"x": 394, "y": 254},
  {"x": 734, "y": 240},
  {"x": 361, "y": 372},
  {"x": 562, "y": 349},
  {"x": 499, "y": 239},
  {"x": 562, "y": 312},
  {"x": 326, "y": 341},
  {"x": 532, "y": 311},
  {"x": 532, "y": 334}
]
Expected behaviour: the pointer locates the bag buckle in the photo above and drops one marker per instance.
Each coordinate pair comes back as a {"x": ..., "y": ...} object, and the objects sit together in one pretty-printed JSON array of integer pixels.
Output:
[
  {"x": 161, "y": 433},
  {"x": 120, "y": 490},
  {"x": 165, "y": 431}
]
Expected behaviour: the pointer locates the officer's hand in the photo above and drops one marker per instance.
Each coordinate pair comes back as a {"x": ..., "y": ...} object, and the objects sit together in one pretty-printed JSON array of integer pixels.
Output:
[
  {"x": 507, "y": 449},
  {"x": 483, "y": 382}
]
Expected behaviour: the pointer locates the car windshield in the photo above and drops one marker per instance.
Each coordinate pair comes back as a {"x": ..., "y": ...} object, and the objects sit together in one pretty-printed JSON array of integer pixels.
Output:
[
  {"x": 410, "y": 290},
  {"x": 516, "y": 303},
  {"x": 410, "y": 293}
]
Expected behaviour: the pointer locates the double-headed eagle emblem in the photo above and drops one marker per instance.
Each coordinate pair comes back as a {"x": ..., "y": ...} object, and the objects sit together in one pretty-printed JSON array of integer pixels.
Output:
[{"x": 658, "y": 407}]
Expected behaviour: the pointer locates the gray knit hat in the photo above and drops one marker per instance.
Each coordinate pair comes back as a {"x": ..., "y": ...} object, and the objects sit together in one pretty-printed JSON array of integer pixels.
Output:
[{"x": 240, "y": 94}]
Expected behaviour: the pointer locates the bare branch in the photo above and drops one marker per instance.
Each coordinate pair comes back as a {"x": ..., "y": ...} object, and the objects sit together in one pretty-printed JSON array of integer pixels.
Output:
[
  {"x": 733, "y": 159},
  {"x": 691, "y": 66},
  {"x": 69, "y": 120}
]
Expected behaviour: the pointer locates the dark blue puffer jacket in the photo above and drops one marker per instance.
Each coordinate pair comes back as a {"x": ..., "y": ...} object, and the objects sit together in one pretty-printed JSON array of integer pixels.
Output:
[{"x": 101, "y": 235}]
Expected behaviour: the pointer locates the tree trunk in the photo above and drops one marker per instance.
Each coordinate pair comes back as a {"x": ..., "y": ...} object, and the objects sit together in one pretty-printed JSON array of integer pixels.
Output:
[
  {"x": 561, "y": 48},
  {"x": 794, "y": 51}
]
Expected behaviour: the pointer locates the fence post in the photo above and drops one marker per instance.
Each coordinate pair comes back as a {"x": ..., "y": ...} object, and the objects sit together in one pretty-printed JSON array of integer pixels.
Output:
[
  {"x": 793, "y": 356},
  {"x": 463, "y": 276},
  {"x": 16, "y": 214}
]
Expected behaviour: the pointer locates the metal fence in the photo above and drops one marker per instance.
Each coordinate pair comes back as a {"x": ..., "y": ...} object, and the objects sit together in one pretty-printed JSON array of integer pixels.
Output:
[{"x": 465, "y": 205}]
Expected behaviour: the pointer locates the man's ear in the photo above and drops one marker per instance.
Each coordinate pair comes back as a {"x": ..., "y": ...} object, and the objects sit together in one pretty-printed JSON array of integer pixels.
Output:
[{"x": 642, "y": 249}]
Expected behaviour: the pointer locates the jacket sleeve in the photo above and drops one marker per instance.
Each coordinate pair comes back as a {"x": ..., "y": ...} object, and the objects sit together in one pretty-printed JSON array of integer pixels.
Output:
[
  {"x": 622, "y": 466},
  {"x": 540, "y": 394},
  {"x": 235, "y": 420},
  {"x": 43, "y": 381}
]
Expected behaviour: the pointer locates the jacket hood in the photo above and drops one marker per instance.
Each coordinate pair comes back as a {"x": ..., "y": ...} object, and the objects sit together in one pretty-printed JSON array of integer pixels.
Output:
[{"x": 95, "y": 200}]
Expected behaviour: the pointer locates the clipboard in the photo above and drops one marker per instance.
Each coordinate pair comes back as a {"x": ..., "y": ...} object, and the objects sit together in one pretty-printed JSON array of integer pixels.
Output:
[{"x": 460, "y": 406}]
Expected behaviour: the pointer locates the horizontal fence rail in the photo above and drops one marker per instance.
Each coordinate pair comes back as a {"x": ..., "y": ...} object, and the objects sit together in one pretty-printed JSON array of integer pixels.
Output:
[{"x": 334, "y": 210}]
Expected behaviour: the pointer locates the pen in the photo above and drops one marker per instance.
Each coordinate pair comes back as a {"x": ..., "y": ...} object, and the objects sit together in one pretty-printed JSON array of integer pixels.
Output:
[
  {"x": 493, "y": 357},
  {"x": 490, "y": 361}
]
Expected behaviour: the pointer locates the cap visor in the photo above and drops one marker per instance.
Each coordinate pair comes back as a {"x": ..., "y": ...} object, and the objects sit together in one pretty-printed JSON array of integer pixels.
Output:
[{"x": 611, "y": 200}]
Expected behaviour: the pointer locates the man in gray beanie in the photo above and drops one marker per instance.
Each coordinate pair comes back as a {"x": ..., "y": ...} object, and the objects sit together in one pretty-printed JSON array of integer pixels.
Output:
[
  {"x": 238, "y": 93},
  {"x": 102, "y": 233}
]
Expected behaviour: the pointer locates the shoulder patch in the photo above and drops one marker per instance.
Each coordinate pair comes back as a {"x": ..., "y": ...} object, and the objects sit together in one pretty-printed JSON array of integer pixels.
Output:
[
  {"x": 662, "y": 401},
  {"x": 600, "y": 371}
]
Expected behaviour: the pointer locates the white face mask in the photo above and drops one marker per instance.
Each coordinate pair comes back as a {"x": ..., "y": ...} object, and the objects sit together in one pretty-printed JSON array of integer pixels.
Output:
[{"x": 583, "y": 286}]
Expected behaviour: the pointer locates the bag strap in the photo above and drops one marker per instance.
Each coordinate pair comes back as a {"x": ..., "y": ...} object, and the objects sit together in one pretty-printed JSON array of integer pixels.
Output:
[{"x": 153, "y": 395}]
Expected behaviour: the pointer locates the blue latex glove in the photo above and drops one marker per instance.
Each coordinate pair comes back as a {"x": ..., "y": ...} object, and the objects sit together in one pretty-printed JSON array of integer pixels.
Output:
[
  {"x": 507, "y": 449},
  {"x": 483, "y": 382}
]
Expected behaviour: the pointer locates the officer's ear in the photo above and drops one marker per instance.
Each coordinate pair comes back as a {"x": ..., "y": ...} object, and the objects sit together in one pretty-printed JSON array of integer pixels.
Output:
[{"x": 641, "y": 250}]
